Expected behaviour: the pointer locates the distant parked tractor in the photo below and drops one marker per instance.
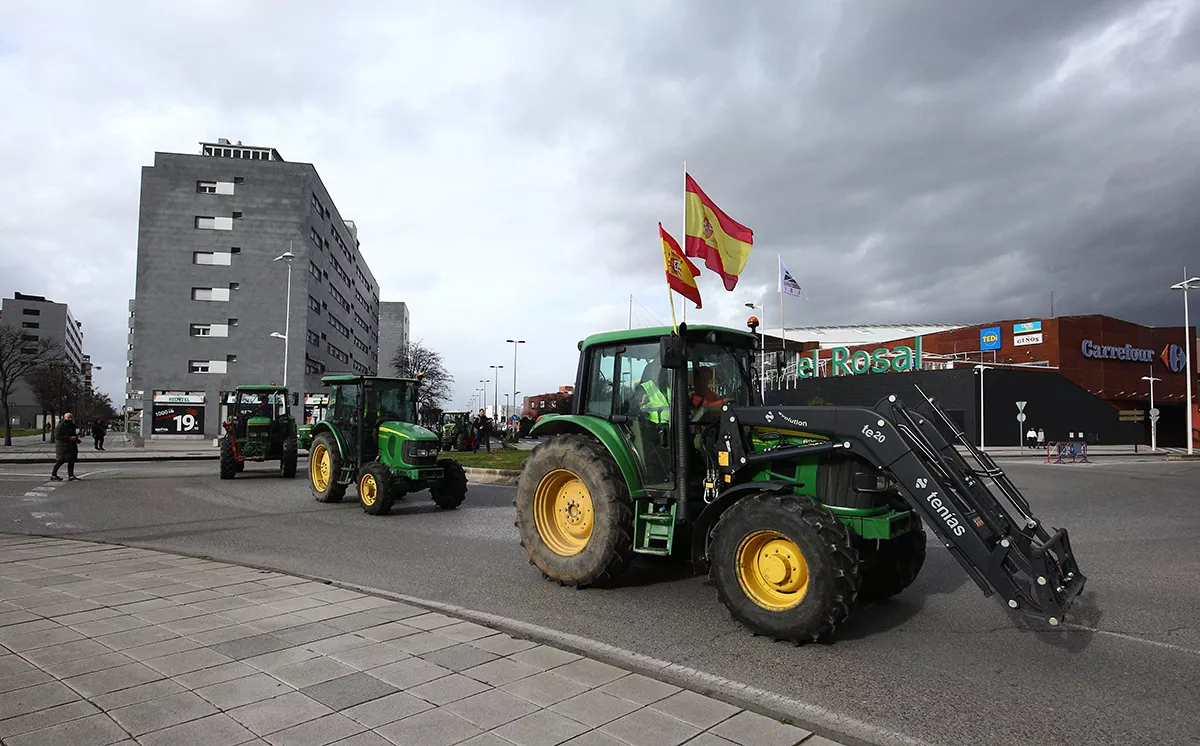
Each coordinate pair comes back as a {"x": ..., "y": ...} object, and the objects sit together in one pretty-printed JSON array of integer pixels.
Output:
[
  {"x": 795, "y": 512},
  {"x": 369, "y": 438},
  {"x": 456, "y": 431},
  {"x": 260, "y": 428}
]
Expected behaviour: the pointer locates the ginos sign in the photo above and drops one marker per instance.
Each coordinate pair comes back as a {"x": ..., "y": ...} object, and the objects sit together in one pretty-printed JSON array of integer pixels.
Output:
[{"x": 1108, "y": 352}]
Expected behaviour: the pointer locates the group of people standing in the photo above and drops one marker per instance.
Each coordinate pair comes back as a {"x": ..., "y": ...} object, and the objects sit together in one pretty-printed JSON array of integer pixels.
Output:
[{"x": 1035, "y": 438}]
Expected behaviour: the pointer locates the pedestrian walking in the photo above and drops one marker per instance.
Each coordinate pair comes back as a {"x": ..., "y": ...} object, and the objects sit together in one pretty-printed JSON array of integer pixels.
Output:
[
  {"x": 1041, "y": 439},
  {"x": 1031, "y": 438},
  {"x": 66, "y": 448},
  {"x": 98, "y": 435},
  {"x": 483, "y": 429}
]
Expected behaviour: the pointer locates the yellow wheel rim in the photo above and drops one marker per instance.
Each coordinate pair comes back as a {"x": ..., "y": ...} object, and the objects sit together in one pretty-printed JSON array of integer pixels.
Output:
[
  {"x": 562, "y": 510},
  {"x": 771, "y": 570},
  {"x": 320, "y": 464},
  {"x": 368, "y": 489}
]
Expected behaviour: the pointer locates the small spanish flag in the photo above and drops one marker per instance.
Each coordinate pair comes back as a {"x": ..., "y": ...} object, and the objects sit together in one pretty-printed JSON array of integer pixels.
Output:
[
  {"x": 681, "y": 273},
  {"x": 723, "y": 243}
]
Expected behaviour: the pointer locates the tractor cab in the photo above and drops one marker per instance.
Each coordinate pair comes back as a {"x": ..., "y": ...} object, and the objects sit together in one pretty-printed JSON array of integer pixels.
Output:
[
  {"x": 259, "y": 427},
  {"x": 455, "y": 430}
]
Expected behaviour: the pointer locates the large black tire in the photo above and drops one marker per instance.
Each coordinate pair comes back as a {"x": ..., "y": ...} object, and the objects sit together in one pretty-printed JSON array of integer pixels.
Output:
[
  {"x": 888, "y": 567},
  {"x": 229, "y": 462},
  {"x": 375, "y": 489},
  {"x": 324, "y": 465},
  {"x": 799, "y": 599},
  {"x": 452, "y": 490},
  {"x": 287, "y": 462},
  {"x": 560, "y": 476}
]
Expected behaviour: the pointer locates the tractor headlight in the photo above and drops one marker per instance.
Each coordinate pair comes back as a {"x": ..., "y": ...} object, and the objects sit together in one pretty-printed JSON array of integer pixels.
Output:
[{"x": 415, "y": 451}]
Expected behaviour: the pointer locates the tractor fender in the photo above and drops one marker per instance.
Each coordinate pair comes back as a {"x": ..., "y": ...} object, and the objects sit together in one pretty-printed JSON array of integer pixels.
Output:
[
  {"x": 708, "y": 517},
  {"x": 603, "y": 431},
  {"x": 324, "y": 427}
]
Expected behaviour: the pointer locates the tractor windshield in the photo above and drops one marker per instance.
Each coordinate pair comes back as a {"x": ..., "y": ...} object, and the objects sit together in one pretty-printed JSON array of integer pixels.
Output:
[
  {"x": 719, "y": 375},
  {"x": 261, "y": 404},
  {"x": 393, "y": 400}
]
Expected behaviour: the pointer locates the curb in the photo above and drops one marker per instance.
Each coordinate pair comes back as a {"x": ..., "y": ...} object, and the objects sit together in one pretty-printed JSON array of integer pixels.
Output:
[
  {"x": 846, "y": 729},
  {"x": 492, "y": 476},
  {"x": 109, "y": 459}
]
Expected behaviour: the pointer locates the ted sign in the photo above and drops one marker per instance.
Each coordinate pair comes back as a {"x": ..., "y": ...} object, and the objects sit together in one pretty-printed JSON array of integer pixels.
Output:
[{"x": 1173, "y": 357}]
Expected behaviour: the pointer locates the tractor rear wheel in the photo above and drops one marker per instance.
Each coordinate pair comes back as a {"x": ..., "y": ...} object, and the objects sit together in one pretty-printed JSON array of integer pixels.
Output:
[
  {"x": 893, "y": 565},
  {"x": 287, "y": 462},
  {"x": 452, "y": 490},
  {"x": 324, "y": 466},
  {"x": 229, "y": 462},
  {"x": 375, "y": 489},
  {"x": 784, "y": 567},
  {"x": 574, "y": 513}
]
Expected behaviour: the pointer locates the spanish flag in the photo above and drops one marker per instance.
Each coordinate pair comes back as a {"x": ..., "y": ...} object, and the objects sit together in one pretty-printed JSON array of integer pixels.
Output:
[
  {"x": 723, "y": 243},
  {"x": 681, "y": 273}
]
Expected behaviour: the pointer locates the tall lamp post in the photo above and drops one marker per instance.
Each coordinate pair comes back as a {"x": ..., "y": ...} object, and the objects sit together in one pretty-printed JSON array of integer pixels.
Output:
[
  {"x": 515, "y": 342},
  {"x": 1188, "y": 284},
  {"x": 286, "y": 257},
  {"x": 762, "y": 362},
  {"x": 981, "y": 369},
  {"x": 496, "y": 385},
  {"x": 1153, "y": 411}
]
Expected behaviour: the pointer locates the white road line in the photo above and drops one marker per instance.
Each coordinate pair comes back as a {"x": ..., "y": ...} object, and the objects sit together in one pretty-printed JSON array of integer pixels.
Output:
[
  {"x": 1132, "y": 638},
  {"x": 101, "y": 471},
  {"x": 40, "y": 516}
]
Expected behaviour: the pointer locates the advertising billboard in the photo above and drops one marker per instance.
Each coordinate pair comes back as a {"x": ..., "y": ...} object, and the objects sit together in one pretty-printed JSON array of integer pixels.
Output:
[
  {"x": 989, "y": 338},
  {"x": 1027, "y": 327},
  {"x": 178, "y": 419},
  {"x": 1021, "y": 340}
]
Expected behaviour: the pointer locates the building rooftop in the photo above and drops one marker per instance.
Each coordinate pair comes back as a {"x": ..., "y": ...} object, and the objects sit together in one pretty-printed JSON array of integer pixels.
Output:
[{"x": 222, "y": 148}]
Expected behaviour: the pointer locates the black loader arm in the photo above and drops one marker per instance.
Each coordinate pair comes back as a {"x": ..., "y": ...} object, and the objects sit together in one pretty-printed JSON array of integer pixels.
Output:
[{"x": 1004, "y": 550}]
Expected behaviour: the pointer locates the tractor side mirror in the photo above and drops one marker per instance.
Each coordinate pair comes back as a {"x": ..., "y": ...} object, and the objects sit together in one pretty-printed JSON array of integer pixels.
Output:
[{"x": 671, "y": 352}]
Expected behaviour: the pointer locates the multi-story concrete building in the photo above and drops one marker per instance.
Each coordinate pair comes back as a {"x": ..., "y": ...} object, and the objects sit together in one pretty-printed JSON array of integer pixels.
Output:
[
  {"x": 236, "y": 248},
  {"x": 39, "y": 318},
  {"x": 393, "y": 333}
]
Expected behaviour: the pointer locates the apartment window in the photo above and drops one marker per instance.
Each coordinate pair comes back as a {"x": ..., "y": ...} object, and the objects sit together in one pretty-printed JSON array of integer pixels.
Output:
[
  {"x": 235, "y": 249},
  {"x": 313, "y": 339},
  {"x": 201, "y": 330},
  {"x": 238, "y": 180},
  {"x": 340, "y": 272},
  {"x": 206, "y": 187},
  {"x": 197, "y": 366},
  {"x": 231, "y": 358},
  {"x": 30, "y": 312},
  {"x": 210, "y": 294},
  {"x": 359, "y": 320},
  {"x": 316, "y": 238},
  {"x": 362, "y": 345},
  {"x": 314, "y": 304},
  {"x": 341, "y": 299},
  {"x": 214, "y": 258},
  {"x": 235, "y": 286},
  {"x": 233, "y": 322},
  {"x": 29, "y": 350},
  {"x": 337, "y": 353},
  {"x": 237, "y": 216},
  {"x": 360, "y": 367},
  {"x": 339, "y": 326},
  {"x": 30, "y": 325},
  {"x": 210, "y": 223},
  {"x": 29, "y": 338},
  {"x": 314, "y": 270}
]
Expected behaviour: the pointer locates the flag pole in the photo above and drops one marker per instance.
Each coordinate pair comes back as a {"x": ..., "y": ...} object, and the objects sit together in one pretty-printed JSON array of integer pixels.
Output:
[
  {"x": 782, "y": 326},
  {"x": 683, "y": 233},
  {"x": 671, "y": 298}
]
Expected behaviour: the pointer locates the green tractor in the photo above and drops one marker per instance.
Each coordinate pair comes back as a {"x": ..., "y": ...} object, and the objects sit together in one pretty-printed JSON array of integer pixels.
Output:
[
  {"x": 260, "y": 428},
  {"x": 369, "y": 438},
  {"x": 456, "y": 431},
  {"x": 796, "y": 513}
]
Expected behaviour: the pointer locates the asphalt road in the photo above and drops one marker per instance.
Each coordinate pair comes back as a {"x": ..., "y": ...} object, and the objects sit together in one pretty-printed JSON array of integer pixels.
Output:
[{"x": 939, "y": 663}]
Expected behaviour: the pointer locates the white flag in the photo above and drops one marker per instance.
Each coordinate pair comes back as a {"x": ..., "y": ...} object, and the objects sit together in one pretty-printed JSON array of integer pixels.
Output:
[{"x": 788, "y": 284}]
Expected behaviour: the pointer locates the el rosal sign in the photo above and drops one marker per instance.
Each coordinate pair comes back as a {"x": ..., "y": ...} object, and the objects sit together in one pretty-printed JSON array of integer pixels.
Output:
[{"x": 842, "y": 362}]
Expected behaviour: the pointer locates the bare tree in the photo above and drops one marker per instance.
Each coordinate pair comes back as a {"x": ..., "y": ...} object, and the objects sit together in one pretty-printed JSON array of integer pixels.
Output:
[
  {"x": 415, "y": 358},
  {"x": 18, "y": 357},
  {"x": 57, "y": 386}
]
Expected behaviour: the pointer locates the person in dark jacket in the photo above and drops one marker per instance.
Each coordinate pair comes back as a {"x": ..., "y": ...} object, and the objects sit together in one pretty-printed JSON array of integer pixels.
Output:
[
  {"x": 98, "y": 435},
  {"x": 66, "y": 448},
  {"x": 483, "y": 430}
]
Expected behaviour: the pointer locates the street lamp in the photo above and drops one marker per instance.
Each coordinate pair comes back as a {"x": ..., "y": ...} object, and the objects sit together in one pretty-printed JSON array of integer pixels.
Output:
[
  {"x": 515, "y": 342},
  {"x": 1188, "y": 284},
  {"x": 484, "y": 390},
  {"x": 496, "y": 385},
  {"x": 762, "y": 362},
  {"x": 1153, "y": 411},
  {"x": 981, "y": 369},
  {"x": 286, "y": 257}
]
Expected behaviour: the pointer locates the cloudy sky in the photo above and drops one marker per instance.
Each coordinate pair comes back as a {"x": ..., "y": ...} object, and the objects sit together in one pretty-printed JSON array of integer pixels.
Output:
[{"x": 911, "y": 161}]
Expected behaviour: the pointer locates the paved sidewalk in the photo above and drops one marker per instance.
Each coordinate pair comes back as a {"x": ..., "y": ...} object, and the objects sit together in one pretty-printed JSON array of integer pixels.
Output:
[
  {"x": 102, "y": 644},
  {"x": 32, "y": 449}
]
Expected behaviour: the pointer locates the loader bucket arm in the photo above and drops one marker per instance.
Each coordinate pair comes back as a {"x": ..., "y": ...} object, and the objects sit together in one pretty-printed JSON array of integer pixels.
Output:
[{"x": 1005, "y": 550}]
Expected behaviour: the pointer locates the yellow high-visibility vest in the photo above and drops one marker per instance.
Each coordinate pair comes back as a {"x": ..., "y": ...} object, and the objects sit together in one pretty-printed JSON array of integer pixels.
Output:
[{"x": 658, "y": 404}]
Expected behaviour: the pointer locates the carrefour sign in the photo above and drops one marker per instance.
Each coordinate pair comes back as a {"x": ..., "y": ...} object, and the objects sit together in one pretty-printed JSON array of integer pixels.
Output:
[
  {"x": 1109, "y": 352},
  {"x": 1174, "y": 358},
  {"x": 842, "y": 362}
]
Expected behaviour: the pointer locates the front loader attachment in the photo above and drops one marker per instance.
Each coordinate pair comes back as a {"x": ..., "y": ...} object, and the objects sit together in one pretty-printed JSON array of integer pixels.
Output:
[{"x": 991, "y": 532}]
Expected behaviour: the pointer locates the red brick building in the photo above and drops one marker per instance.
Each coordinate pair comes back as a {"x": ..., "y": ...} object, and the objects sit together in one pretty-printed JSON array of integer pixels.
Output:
[{"x": 535, "y": 406}]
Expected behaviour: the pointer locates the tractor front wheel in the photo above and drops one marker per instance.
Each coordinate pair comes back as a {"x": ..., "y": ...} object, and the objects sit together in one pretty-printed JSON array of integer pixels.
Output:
[
  {"x": 784, "y": 567},
  {"x": 452, "y": 490},
  {"x": 287, "y": 462},
  {"x": 574, "y": 513},
  {"x": 324, "y": 466},
  {"x": 229, "y": 462},
  {"x": 893, "y": 565},
  {"x": 375, "y": 489}
]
